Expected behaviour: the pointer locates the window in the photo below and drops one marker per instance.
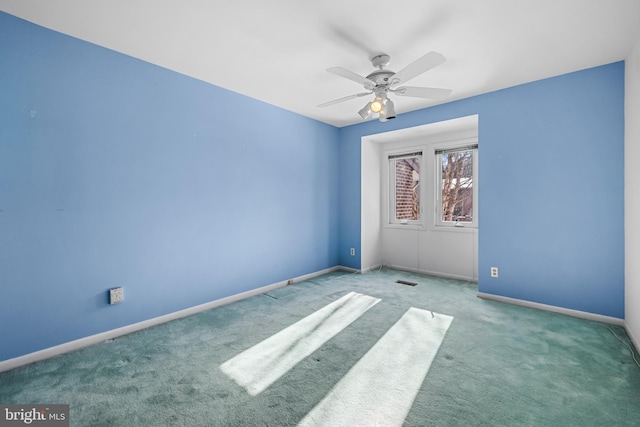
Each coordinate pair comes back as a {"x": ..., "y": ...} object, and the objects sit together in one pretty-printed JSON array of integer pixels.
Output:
[
  {"x": 456, "y": 189},
  {"x": 404, "y": 174}
]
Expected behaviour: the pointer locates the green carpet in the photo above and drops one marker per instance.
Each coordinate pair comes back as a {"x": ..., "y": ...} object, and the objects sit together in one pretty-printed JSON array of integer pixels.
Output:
[{"x": 498, "y": 365}]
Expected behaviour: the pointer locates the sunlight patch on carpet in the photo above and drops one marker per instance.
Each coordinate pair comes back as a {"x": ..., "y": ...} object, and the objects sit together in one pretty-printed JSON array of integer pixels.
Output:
[
  {"x": 258, "y": 367},
  {"x": 381, "y": 387}
]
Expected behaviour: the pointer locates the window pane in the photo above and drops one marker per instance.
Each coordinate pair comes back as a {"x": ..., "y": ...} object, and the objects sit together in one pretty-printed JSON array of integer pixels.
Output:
[
  {"x": 457, "y": 186},
  {"x": 408, "y": 189}
]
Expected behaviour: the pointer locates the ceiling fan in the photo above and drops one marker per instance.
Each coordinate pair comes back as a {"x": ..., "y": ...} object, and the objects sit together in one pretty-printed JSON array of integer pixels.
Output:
[{"x": 382, "y": 81}]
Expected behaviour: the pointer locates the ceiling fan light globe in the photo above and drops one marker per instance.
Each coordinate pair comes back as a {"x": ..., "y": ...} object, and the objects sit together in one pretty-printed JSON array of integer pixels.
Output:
[
  {"x": 365, "y": 113},
  {"x": 376, "y": 105},
  {"x": 389, "y": 110}
]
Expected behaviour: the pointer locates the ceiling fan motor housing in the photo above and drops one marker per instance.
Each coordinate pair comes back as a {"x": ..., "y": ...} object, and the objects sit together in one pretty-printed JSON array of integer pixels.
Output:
[{"x": 380, "y": 77}]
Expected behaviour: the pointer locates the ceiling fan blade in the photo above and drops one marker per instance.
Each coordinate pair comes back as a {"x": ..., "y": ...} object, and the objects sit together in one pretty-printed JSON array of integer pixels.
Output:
[
  {"x": 417, "y": 67},
  {"x": 346, "y": 98},
  {"x": 423, "y": 92},
  {"x": 343, "y": 72}
]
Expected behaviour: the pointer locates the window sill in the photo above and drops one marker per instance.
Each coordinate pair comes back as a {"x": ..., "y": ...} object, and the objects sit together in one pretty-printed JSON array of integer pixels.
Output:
[
  {"x": 454, "y": 229},
  {"x": 407, "y": 226}
]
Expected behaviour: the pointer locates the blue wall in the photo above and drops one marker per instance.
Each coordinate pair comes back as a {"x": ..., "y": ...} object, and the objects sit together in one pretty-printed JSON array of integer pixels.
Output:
[
  {"x": 115, "y": 172},
  {"x": 551, "y": 188}
]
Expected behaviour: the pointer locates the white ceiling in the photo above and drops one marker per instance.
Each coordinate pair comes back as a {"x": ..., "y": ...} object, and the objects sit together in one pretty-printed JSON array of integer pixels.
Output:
[{"x": 278, "y": 50}]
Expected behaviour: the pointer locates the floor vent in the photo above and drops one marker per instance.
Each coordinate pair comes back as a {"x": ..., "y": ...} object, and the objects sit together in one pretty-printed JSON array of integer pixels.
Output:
[{"x": 404, "y": 282}]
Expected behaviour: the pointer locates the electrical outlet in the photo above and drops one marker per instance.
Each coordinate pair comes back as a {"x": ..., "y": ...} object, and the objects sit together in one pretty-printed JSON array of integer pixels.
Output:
[
  {"x": 494, "y": 271},
  {"x": 115, "y": 295},
  {"x": 353, "y": 251}
]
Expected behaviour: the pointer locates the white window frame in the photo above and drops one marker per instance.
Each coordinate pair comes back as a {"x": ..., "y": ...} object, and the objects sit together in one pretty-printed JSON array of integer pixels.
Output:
[
  {"x": 405, "y": 153},
  {"x": 460, "y": 145}
]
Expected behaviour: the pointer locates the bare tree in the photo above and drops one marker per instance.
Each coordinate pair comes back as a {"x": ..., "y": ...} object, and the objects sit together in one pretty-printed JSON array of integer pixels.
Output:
[{"x": 457, "y": 183}]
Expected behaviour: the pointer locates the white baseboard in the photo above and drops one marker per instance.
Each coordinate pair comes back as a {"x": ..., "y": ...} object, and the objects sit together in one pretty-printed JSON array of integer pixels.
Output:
[
  {"x": 348, "y": 269},
  {"x": 429, "y": 273},
  {"x": 371, "y": 268},
  {"x": 567, "y": 311},
  {"x": 115, "y": 333},
  {"x": 634, "y": 339}
]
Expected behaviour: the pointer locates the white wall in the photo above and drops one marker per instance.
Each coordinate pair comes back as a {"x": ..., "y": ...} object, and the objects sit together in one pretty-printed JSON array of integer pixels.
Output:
[
  {"x": 450, "y": 252},
  {"x": 370, "y": 228},
  {"x": 632, "y": 195}
]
